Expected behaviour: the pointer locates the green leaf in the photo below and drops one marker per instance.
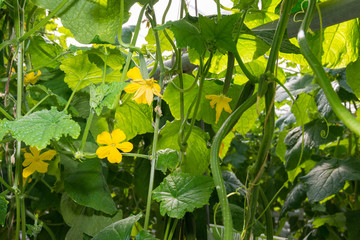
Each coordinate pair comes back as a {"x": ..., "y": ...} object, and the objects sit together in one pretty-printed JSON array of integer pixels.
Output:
[
  {"x": 304, "y": 106},
  {"x": 133, "y": 119},
  {"x": 4, "y": 127},
  {"x": 280, "y": 146},
  {"x": 165, "y": 44},
  {"x": 353, "y": 76},
  {"x": 87, "y": 186},
  {"x": 88, "y": 19},
  {"x": 337, "y": 49},
  {"x": 285, "y": 47},
  {"x": 38, "y": 128},
  {"x": 316, "y": 133},
  {"x": 187, "y": 35},
  {"x": 249, "y": 117},
  {"x": 328, "y": 177},
  {"x": 255, "y": 18},
  {"x": 42, "y": 53},
  {"x": 105, "y": 95},
  {"x": 243, "y": 4},
  {"x": 294, "y": 199},
  {"x": 80, "y": 72},
  {"x": 81, "y": 219},
  {"x": 337, "y": 220},
  {"x": 182, "y": 192},
  {"x": 196, "y": 160},
  {"x": 166, "y": 159},
  {"x": 3, "y": 209},
  {"x": 118, "y": 230},
  {"x": 251, "y": 47},
  {"x": 205, "y": 112},
  {"x": 295, "y": 85},
  {"x": 269, "y": 5},
  {"x": 232, "y": 183},
  {"x": 144, "y": 235}
]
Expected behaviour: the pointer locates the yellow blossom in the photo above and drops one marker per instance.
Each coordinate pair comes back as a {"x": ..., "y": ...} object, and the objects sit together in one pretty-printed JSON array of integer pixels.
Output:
[
  {"x": 112, "y": 143},
  {"x": 34, "y": 161},
  {"x": 221, "y": 102},
  {"x": 32, "y": 77},
  {"x": 144, "y": 88}
]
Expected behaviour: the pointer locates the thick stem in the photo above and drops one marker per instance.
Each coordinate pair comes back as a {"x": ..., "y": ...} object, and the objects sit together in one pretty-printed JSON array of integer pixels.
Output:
[
  {"x": 157, "y": 122},
  {"x": 215, "y": 165},
  {"x": 86, "y": 131},
  {"x": 341, "y": 112}
]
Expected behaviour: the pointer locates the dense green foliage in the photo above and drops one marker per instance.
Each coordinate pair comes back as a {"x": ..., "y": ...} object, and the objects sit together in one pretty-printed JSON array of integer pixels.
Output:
[{"x": 243, "y": 132}]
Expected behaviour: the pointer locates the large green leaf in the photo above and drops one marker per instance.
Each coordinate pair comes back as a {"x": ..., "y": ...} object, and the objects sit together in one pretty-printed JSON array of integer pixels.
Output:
[
  {"x": 38, "y": 128},
  {"x": 294, "y": 199},
  {"x": 353, "y": 77},
  {"x": 187, "y": 35},
  {"x": 133, "y": 119},
  {"x": 87, "y": 186},
  {"x": 316, "y": 133},
  {"x": 196, "y": 160},
  {"x": 338, "y": 50},
  {"x": 42, "y": 53},
  {"x": 303, "y": 107},
  {"x": 83, "y": 219},
  {"x": 164, "y": 42},
  {"x": 118, "y": 230},
  {"x": 80, "y": 71},
  {"x": 295, "y": 85},
  {"x": 182, "y": 192},
  {"x": 3, "y": 209},
  {"x": 329, "y": 176},
  {"x": 251, "y": 47},
  {"x": 144, "y": 235},
  {"x": 87, "y": 19},
  {"x": 336, "y": 220},
  {"x": 249, "y": 117}
]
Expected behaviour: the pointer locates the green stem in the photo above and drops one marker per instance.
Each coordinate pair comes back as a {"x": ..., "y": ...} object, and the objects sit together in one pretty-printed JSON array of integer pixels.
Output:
[
  {"x": 37, "y": 104},
  {"x": 50, "y": 232},
  {"x": 268, "y": 216},
  {"x": 218, "y": 9},
  {"x": 6, "y": 114},
  {"x": 34, "y": 29},
  {"x": 215, "y": 165},
  {"x": 229, "y": 72},
  {"x": 341, "y": 112},
  {"x": 86, "y": 131},
  {"x": 198, "y": 98},
  {"x": 173, "y": 229},
  {"x": 251, "y": 77},
  {"x": 167, "y": 228},
  {"x": 157, "y": 122},
  {"x": 72, "y": 95},
  {"x": 5, "y": 184}
]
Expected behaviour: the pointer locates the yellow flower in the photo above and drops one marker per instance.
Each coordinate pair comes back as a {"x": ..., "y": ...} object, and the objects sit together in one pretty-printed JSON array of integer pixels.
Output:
[
  {"x": 113, "y": 142},
  {"x": 144, "y": 88},
  {"x": 34, "y": 161},
  {"x": 221, "y": 102},
  {"x": 32, "y": 77}
]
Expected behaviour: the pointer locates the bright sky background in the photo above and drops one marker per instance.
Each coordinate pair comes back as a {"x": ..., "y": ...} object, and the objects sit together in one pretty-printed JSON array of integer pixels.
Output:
[{"x": 205, "y": 7}]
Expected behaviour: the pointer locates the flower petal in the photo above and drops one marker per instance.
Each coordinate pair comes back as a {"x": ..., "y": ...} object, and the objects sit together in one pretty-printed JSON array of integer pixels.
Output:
[
  {"x": 157, "y": 89},
  {"x": 114, "y": 156},
  {"x": 139, "y": 92},
  {"x": 28, "y": 171},
  {"x": 29, "y": 158},
  {"x": 118, "y": 136},
  {"x": 132, "y": 87},
  {"x": 48, "y": 155},
  {"x": 40, "y": 166},
  {"x": 103, "y": 152},
  {"x": 125, "y": 146},
  {"x": 104, "y": 138},
  {"x": 35, "y": 152},
  {"x": 149, "y": 95},
  {"x": 134, "y": 73}
]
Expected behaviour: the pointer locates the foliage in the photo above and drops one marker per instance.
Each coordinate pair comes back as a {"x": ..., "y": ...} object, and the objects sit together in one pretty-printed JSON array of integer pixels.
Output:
[{"x": 217, "y": 120}]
